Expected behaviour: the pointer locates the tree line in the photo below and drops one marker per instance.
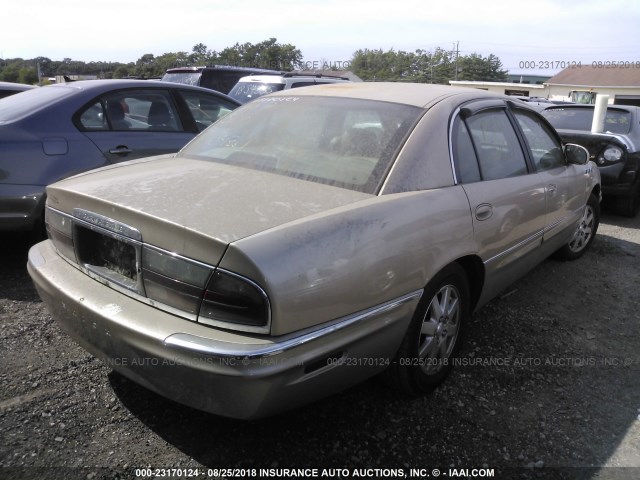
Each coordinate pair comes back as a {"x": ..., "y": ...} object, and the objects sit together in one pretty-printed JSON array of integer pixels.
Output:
[
  {"x": 421, "y": 66},
  {"x": 437, "y": 66}
]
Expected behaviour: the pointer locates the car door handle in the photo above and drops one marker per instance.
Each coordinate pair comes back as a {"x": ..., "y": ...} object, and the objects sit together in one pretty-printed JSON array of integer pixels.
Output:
[
  {"x": 120, "y": 150},
  {"x": 484, "y": 211},
  {"x": 551, "y": 189}
]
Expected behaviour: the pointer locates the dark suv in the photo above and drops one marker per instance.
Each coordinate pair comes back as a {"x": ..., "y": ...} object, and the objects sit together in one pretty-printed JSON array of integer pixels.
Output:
[
  {"x": 616, "y": 150},
  {"x": 216, "y": 77}
]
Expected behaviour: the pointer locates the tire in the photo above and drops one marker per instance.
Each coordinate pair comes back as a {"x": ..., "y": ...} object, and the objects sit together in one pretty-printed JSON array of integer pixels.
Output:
[
  {"x": 584, "y": 234},
  {"x": 434, "y": 336}
]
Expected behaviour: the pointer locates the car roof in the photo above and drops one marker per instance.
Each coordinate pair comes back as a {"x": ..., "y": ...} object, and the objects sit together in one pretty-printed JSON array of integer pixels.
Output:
[
  {"x": 122, "y": 83},
  {"x": 289, "y": 77},
  {"x": 103, "y": 85},
  {"x": 229, "y": 68},
  {"x": 416, "y": 94}
]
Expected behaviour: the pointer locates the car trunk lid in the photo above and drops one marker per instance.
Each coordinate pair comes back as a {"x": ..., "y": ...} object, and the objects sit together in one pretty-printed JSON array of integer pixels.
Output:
[{"x": 194, "y": 207}]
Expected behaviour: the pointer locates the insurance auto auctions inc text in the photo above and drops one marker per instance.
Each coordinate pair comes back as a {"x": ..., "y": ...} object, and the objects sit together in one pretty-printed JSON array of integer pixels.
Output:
[{"x": 372, "y": 472}]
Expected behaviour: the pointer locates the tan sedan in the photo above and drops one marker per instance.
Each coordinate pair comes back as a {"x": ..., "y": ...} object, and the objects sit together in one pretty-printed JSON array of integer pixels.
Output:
[{"x": 311, "y": 239}]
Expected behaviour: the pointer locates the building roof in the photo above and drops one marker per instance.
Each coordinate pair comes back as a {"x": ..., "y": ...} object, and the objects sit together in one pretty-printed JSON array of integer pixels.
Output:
[{"x": 594, "y": 76}]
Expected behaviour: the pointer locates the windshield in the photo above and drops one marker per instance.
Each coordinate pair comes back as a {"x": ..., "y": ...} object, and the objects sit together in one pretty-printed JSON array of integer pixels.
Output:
[
  {"x": 342, "y": 142},
  {"x": 247, "y": 91},
  {"x": 186, "y": 78},
  {"x": 16, "y": 107},
  {"x": 568, "y": 118}
]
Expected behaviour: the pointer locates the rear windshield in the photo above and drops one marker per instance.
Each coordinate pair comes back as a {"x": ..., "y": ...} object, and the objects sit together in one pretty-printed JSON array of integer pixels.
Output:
[
  {"x": 16, "y": 107},
  {"x": 568, "y": 118},
  {"x": 247, "y": 91},
  {"x": 346, "y": 143},
  {"x": 186, "y": 78}
]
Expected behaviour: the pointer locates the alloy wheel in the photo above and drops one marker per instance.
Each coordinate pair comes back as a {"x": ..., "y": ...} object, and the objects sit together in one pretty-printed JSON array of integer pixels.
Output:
[
  {"x": 584, "y": 231},
  {"x": 439, "y": 330}
]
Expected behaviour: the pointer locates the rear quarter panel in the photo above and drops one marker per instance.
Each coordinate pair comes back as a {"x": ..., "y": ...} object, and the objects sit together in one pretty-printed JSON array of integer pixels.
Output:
[
  {"x": 334, "y": 264},
  {"x": 45, "y": 147}
]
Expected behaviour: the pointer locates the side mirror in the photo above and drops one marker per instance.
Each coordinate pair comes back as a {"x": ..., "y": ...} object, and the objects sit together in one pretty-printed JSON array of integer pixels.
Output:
[{"x": 576, "y": 154}]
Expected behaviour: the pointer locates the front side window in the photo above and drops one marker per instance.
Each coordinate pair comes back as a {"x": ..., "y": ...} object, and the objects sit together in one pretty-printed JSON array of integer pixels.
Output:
[
  {"x": 135, "y": 110},
  {"x": 496, "y": 144},
  {"x": 545, "y": 149},
  {"x": 342, "y": 142}
]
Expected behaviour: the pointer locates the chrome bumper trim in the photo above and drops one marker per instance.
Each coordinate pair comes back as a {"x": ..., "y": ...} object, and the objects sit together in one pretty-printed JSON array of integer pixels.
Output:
[{"x": 222, "y": 349}]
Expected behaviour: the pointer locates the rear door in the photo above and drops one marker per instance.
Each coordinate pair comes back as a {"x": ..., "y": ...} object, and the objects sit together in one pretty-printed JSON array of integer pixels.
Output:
[
  {"x": 507, "y": 199},
  {"x": 131, "y": 124}
]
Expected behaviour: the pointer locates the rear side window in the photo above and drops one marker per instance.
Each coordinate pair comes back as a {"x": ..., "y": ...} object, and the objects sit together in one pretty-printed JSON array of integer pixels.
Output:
[
  {"x": 496, "y": 145},
  {"x": 465, "y": 155},
  {"x": 206, "y": 109},
  {"x": 94, "y": 118}
]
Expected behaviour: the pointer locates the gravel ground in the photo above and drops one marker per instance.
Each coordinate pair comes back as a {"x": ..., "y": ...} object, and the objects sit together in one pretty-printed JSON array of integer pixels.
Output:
[{"x": 547, "y": 388}]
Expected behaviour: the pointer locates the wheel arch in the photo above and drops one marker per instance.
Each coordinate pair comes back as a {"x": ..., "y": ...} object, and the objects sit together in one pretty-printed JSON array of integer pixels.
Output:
[{"x": 474, "y": 270}]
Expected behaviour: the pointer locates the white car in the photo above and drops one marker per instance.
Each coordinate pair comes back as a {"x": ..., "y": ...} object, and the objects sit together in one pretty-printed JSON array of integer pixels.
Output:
[{"x": 254, "y": 86}]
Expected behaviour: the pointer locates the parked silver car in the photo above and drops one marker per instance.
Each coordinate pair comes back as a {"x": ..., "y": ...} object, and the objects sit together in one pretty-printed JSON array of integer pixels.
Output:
[{"x": 311, "y": 239}]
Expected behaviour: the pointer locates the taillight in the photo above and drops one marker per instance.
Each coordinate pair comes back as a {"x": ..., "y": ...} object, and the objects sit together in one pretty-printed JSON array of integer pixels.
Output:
[
  {"x": 215, "y": 296},
  {"x": 60, "y": 231},
  {"x": 173, "y": 280},
  {"x": 230, "y": 298}
]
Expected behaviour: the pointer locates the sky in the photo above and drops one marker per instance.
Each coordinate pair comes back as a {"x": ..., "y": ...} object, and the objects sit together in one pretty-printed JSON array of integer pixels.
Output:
[{"x": 534, "y": 36}]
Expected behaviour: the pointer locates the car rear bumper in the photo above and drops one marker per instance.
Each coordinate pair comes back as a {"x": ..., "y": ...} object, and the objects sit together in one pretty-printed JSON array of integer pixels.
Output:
[
  {"x": 21, "y": 206},
  {"x": 226, "y": 373}
]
